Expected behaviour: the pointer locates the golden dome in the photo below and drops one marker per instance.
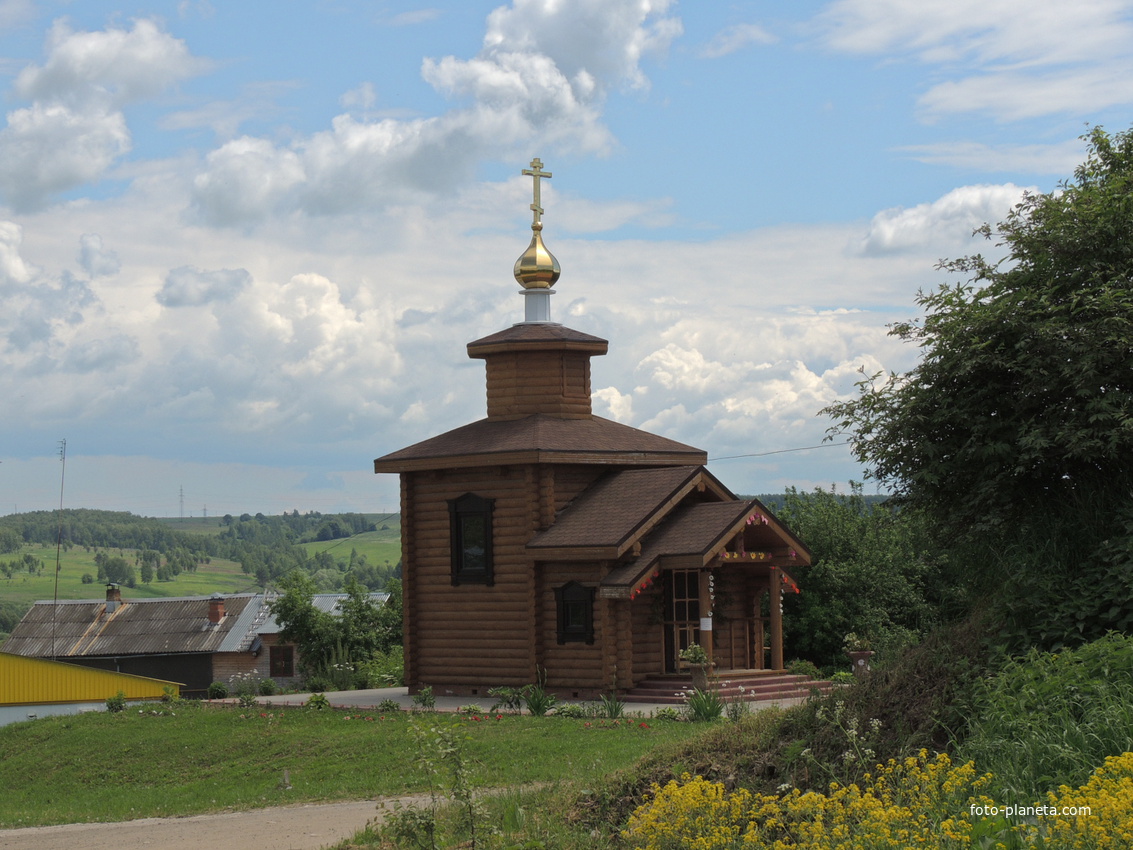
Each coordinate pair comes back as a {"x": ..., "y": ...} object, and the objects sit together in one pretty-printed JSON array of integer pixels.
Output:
[{"x": 537, "y": 267}]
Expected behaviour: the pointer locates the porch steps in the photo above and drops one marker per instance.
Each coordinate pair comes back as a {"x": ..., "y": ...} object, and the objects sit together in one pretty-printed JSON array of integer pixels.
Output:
[{"x": 756, "y": 685}]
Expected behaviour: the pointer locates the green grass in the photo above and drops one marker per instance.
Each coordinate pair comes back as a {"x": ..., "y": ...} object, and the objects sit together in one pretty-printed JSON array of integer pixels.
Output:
[
  {"x": 112, "y": 767},
  {"x": 380, "y": 547},
  {"x": 219, "y": 576}
]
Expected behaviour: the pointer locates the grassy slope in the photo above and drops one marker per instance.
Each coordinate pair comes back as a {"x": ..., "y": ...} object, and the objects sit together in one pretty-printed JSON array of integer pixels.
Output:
[
  {"x": 219, "y": 576},
  {"x": 380, "y": 547},
  {"x": 106, "y": 767}
]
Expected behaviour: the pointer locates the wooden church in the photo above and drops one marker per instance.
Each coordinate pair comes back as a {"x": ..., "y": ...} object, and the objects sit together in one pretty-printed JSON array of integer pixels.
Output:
[{"x": 545, "y": 540}]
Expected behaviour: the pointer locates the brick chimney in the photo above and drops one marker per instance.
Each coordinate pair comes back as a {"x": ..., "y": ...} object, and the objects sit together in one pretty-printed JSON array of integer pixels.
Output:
[
  {"x": 216, "y": 608},
  {"x": 113, "y": 598}
]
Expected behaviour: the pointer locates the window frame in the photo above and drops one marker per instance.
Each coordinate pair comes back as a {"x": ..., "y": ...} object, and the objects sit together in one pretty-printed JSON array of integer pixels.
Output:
[
  {"x": 464, "y": 510},
  {"x": 281, "y": 655},
  {"x": 566, "y": 597}
]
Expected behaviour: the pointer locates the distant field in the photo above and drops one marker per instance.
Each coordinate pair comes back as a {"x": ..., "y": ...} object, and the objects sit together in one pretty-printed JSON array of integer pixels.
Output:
[
  {"x": 220, "y": 576},
  {"x": 380, "y": 547}
]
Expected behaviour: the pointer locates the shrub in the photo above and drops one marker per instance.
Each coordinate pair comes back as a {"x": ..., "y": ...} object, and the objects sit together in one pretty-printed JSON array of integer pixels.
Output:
[
  {"x": 508, "y": 699},
  {"x": 536, "y": 697},
  {"x": 116, "y": 703},
  {"x": 1105, "y": 811},
  {"x": 898, "y": 802},
  {"x": 218, "y": 690},
  {"x": 424, "y": 700},
  {"x": 389, "y": 706},
  {"x": 317, "y": 702},
  {"x": 612, "y": 707},
  {"x": 267, "y": 687},
  {"x": 802, "y": 667},
  {"x": 668, "y": 712},
  {"x": 704, "y": 705},
  {"x": 383, "y": 669},
  {"x": 1046, "y": 719},
  {"x": 572, "y": 710}
]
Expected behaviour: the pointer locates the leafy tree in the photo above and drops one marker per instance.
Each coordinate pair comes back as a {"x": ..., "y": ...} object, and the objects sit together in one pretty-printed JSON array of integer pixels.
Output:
[
  {"x": 873, "y": 573},
  {"x": 1014, "y": 432},
  {"x": 10, "y": 541},
  {"x": 362, "y": 627}
]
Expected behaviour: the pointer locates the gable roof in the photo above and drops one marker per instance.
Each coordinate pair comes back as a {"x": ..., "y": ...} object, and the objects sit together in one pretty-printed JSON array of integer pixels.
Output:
[
  {"x": 136, "y": 627},
  {"x": 80, "y": 628},
  {"x": 540, "y": 438},
  {"x": 614, "y": 512}
]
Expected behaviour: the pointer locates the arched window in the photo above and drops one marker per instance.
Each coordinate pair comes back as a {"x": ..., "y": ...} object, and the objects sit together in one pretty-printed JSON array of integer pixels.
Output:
[
  {"x": 470, "y": 527},
  {"x": 575, "y": 606}
]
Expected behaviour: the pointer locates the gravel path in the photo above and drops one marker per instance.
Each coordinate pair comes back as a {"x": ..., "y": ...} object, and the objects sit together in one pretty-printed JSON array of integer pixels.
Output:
[{"x": 308, "y": 827}]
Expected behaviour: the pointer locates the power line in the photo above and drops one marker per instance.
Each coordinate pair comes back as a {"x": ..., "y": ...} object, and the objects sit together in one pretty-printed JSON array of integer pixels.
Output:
[{"x": 782, "y": 451}]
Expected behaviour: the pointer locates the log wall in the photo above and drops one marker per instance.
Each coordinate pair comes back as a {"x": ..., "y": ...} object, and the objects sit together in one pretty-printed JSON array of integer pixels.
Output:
[
  {"x": 471, "y": 637},
  {"x": 521, "y": 383}
]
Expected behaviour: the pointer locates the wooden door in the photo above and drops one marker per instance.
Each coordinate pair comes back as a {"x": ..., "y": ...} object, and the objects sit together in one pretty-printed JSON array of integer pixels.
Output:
[{"x": 682, "y": 615}]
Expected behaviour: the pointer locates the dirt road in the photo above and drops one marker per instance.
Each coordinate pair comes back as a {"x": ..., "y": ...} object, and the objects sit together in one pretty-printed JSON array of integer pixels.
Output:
[{"x": 309, "y": 827}]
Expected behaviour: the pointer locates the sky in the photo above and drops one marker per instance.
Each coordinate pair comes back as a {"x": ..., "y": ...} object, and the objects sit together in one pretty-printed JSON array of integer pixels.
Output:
[{"x": 243, "y": 245}]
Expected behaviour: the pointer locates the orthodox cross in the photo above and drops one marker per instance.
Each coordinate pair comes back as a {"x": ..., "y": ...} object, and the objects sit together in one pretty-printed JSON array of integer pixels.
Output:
[{"x": 536, "y": 171}]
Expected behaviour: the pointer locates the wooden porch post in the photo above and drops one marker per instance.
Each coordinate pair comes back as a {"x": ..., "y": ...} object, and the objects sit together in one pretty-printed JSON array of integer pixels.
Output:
[
  {"x": 705, "y": 610},
  {"x": 776, "y": 599}
]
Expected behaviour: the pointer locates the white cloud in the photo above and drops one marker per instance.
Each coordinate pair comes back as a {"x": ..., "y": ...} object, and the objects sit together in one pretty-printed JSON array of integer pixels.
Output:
[
  {"x": 735, "y": 38},
  {"x": 417, "y": 16},
  {"x": 13, "y": 269},
  {"x": 1014, "y": 58},
  {"x": 949, "y": 219},
  {"x": 224, "y": 117},
  {"x": 74, "y": 129},
  {"x": 601, "y": 39},
  {"x": 49, "y": 148},
  {"x": 193, "y": 287},
  {"x": 15, "y": 12},
  {"x": 362, "y": 97},
  {"x": 102, "y": 355},
  {"x": 118, "y": 65},
  {"x": 95, "y": 259},
  {"x": 1058, "y": 158},
  {"x": 542, "y": 76},
  {"x": 609, "y": 402},
  {"x": 246, "y": 179}
]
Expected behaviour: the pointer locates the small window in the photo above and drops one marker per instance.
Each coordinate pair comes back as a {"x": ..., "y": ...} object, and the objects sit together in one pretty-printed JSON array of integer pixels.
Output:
[
  {"x": 575, "y": 606},
  {"x": 282, "y": 661},
  {"x": 470, "y": 520}
]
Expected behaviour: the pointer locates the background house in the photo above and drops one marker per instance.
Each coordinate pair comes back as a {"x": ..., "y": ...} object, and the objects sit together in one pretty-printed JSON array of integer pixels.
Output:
[{"x": 191, "y": 640}]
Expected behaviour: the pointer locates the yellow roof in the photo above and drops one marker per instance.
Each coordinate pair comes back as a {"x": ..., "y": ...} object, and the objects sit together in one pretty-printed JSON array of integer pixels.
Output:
[{"x": 36, "y": 681}]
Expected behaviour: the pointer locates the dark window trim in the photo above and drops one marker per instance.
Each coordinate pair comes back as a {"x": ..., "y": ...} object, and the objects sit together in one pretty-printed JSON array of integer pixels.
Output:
[
  {"x": 470, "y": 507},
  {"x": 573, "y": 593},
  {"x": 281, "y": 661}
]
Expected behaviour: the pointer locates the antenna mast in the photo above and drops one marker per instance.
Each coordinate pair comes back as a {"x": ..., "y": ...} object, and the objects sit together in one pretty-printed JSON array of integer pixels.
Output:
[{"x": 58, "y": 543}]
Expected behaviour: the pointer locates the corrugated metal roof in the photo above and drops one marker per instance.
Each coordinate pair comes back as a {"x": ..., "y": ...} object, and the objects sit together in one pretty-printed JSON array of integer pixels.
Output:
[
  {"x": 135, "y": 627},
  {"x": 75, "y": 628}
]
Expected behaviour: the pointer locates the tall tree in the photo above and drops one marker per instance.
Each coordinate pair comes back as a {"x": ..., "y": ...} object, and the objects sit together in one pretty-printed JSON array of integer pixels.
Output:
[{"x": 1015, "y": 429}]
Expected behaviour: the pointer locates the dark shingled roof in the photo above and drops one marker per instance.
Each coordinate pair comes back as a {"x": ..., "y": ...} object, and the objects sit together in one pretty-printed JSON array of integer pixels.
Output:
[
  {"x": 537, "y": 335},
  {"x": 608, "y": 512},
  {"x": 695, "y": 529},
  {"x": 540, "y": 438}
]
